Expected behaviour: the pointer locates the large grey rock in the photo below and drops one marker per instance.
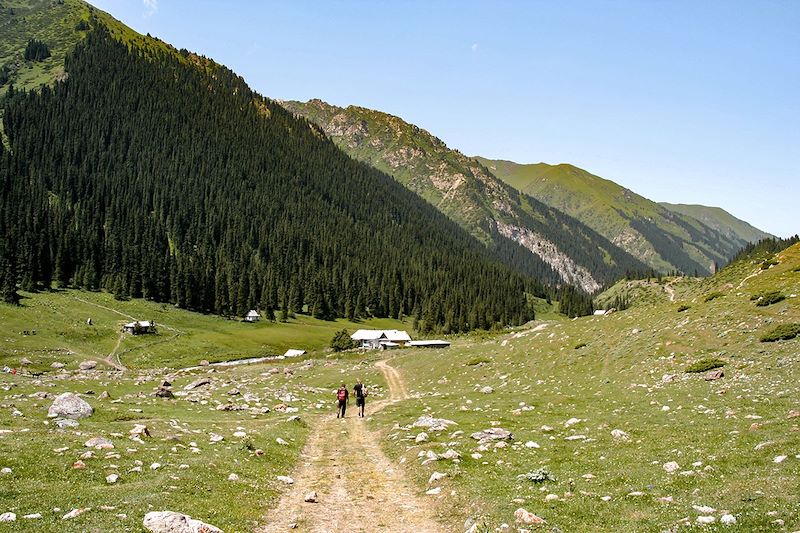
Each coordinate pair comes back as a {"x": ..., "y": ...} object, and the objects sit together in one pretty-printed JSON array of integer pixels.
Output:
[
  {"x": 172, "y": 522},
  {"x": 70, "y": 405},
  {"x": 88, "y": 365}
]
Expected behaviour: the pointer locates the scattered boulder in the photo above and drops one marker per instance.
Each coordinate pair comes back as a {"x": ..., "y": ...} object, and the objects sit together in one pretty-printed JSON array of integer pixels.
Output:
[
  {"x": 99, "y": 443},
  {"x": 727, "y": 519},
  {"x": 197, "y": 383},
  {"x": 434, "y": 491},
  {"x": 421, "y": 437},
  {"x": 487, "y": 390},
  {"x": 70, "y": 405},
  {"x": 526, "y": 517},
  {"x": 434, "y": 424},
  {"x": 112, "y": 478},
  {"x": 488, "y": 435},
  {"x": 618, "y": 434},
  {"x": 66, "y": 423},
  {"x": 8, "y": 517},
  {"x": 286, "y": 479},
  {"x": 204, "y": 362},
  {"x": 75, "y": 513},
  {"x": 450, "y": 454},
  {"x": 57, "y": 365},
  {"x": 25, "y": 361},
  {"x": 671, "y": 467},
  {"x": 88, "y": 365},
  {"x": 171, "y": 522},
  {"x": 311, "y": 497},
  {"x": 140, "y": 429},
  {"x": 233, "y": 477},
  {"x": 436, "y": 476},
  {"x": 164, "y": 392},
  {"x": 715, "y": 375}
]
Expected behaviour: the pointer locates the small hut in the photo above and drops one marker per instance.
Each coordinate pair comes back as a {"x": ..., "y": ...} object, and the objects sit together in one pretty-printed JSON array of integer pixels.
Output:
[{"x": 252, "y": 316}]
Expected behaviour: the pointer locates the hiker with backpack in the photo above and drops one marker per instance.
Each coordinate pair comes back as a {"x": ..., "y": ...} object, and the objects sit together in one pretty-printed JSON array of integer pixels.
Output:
[
  {"x": 361, "y": 397},
  {"x": 341, "y": 400}
]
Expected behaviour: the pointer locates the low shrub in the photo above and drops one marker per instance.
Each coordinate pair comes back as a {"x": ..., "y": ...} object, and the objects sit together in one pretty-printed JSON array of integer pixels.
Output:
[
  {"x": 703, "y": 365},
  {"x": 478, "y": 361},
  {"x": 341, "y": 341},
  {"x": 764, "y": 299},
  {"x": 540, "y": 475},
  {"x": 781, "y": 332},
  {"x": 713, "y": 296},
  {"x": 683, "y": 308},
  {"x": 768, "y": 263}
]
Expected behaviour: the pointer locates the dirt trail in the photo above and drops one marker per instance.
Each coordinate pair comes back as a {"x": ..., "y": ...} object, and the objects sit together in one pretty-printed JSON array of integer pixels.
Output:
[
  {"x": 358, "y": 488},
  {"x": 670, "y": 291},
  {"x": 113, "y": 359}
]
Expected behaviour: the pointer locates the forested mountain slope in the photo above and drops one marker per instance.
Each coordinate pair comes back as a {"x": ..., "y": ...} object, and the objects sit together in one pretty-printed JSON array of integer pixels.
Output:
[
  {"x": 720, "y": 220},
  {"x": 154, "y": 173},
  {"x": 663, "y": 238},
  {"x": 560, "y": 249}
]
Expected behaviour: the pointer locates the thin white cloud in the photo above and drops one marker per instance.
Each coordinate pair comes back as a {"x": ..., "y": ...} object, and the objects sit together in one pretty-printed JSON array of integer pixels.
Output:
[
  {"x": 474, "y": 47},
  {"x": 150, "y": 7}
]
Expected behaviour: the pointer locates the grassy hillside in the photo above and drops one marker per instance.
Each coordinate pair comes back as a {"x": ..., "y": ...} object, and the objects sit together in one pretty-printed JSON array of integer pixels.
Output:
[
  {"x": 720, "y": 220},
  {"x": 184, "y": 338},
  {"x": 560, "y": 249},
  {"x": 566, "y": 386},
  {"x": 660, "y": 237}
]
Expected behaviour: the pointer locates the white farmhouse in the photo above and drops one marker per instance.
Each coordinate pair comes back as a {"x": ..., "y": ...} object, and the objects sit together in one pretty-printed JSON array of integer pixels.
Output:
[{"x": 380, "y": 338}]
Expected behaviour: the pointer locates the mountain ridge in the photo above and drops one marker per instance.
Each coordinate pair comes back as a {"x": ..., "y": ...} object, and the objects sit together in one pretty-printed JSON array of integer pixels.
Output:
[
  {"x": 665, "y": 239},
  {"x": 469, "y": 194}
]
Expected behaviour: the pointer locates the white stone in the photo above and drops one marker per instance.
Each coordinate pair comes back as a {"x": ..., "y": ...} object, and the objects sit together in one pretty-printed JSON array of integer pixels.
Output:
[
  {"x": 434, "y": 491},
  {"x": 421, "y": 437},
  {"x": 706, "y": 519},
  {"x": 436, "y": 476},
  {"x": 112, "y": 478},
  {"x": 779, "y": 459},
  {"x": 671, "y": 467},
  {"x": 531, "y": 444},
  {"x": 233, "y": 477},
  {"x": 704, "y": 509},
  {"x": 171, "y": 522},
  {"x": 8, "y": 517},
  {"x": 75, "y": 513},
  {"x": 620, "y": 435},
  {"x": 728, "y": 519},
  {"x": 286, "y": 479}
]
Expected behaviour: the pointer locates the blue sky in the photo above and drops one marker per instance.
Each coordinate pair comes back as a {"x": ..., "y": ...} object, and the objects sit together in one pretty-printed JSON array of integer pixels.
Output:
[{"x": 680, "y": 101}]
